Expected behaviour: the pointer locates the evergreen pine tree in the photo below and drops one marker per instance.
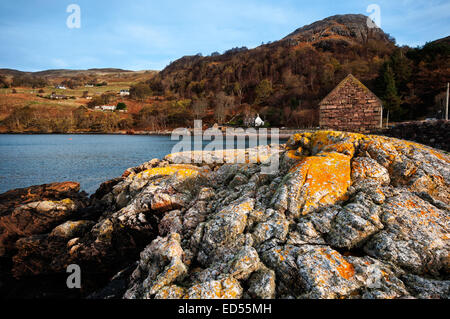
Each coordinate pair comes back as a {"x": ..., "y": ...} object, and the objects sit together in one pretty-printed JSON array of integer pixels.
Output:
[{"x": 391, "y": 100}]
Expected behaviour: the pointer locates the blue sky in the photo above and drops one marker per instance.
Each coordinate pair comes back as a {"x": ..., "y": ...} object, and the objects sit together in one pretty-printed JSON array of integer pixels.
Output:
[{"x": 148, "y": 34}]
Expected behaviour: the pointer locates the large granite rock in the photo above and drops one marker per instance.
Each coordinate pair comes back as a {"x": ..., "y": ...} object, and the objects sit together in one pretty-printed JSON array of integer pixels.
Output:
[{"x": 345, "y": 216}]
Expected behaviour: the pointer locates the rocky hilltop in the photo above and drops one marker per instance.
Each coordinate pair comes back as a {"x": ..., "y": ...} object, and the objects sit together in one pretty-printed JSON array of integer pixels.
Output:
[
  {"x": 345, "y": 216},
  {"x": 340, "y": 27}
]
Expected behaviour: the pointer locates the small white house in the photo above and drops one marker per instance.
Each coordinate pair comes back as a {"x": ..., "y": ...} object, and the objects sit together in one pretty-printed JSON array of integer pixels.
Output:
[
  {"x": 258, "y": 121},
  {"x": 124, "y": 92},
  {"x": 108, "y": 107},
  {"x": 55, "y": 96},
  {"x": 61, "y": 87}
]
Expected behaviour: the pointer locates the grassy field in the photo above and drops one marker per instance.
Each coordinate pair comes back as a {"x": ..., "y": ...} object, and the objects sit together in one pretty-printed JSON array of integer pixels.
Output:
[
  {"x": 77, "y": 92},
  {"x": 116, "y": 82},
  {"x": 58, "y": 111}
]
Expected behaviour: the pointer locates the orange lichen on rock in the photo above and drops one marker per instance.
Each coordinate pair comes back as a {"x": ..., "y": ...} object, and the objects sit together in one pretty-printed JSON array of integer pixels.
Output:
[
  {"x": 341, "y": 142},
  {"x": 282, "y": 253},
  {"x": 182, "y": 170},
  {"x": 315, "y": 182},
  {"x": 408, "y": 146},
  {"x": 343, "y": 267},
  {"x": 228, "y": 288},
  {"x": 418, "y": 167},
  {"x": 326, "y": 141},
  {"x": 293, "y": 154}
]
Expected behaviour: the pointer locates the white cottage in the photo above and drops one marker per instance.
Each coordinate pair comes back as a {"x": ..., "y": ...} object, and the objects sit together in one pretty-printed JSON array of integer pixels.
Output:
[
  {"x": 258, "y": 121},
  {"x": 108, "y": 107},
  {"x": 124, "y": 92}
]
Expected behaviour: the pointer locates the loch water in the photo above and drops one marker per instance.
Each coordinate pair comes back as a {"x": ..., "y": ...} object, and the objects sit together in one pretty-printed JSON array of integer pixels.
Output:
[{"x": 89, "y": 159}]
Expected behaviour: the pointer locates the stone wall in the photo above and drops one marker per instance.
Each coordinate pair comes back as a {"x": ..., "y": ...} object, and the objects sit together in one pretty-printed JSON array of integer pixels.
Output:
[
  {"x": 350, "y": 107},
  {"x": 432, "y": 133}
]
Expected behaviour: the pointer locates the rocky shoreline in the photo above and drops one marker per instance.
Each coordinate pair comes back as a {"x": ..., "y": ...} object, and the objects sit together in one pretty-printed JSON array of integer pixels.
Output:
[
  {"x": 345, "y": 216},
  {"x": 434, "y": 133}
]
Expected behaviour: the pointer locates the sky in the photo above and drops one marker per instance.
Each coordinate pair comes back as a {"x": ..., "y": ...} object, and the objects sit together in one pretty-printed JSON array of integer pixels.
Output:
[{"x": 149, "y": 34}]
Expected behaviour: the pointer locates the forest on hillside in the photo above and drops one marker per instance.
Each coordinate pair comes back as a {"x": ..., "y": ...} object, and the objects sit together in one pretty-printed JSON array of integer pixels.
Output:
[{"x": 286, "y": 84}]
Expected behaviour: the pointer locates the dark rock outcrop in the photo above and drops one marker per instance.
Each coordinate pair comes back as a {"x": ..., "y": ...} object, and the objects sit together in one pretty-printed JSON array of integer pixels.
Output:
[
  {"x": 21, "y": 196},
  {"x": 27, "y": 215},
  {"x": 36, "y": 210}
]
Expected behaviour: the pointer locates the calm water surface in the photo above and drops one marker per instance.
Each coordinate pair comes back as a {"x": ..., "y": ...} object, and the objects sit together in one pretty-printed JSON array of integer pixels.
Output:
[{"x": 27, "y": 160}]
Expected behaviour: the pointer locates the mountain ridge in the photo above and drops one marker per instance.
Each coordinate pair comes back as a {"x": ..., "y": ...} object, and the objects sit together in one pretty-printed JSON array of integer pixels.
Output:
[
  {"x": 295, "y": 35},
  {"x": 67, "y": 72}
]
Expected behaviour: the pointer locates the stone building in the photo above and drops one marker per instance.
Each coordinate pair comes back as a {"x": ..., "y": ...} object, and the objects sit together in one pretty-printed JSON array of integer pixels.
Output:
[{"x": 351, "y": 106}]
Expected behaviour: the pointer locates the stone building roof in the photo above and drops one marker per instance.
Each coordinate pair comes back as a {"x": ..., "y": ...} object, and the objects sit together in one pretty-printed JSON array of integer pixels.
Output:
[{"x": 354, "y": 81}]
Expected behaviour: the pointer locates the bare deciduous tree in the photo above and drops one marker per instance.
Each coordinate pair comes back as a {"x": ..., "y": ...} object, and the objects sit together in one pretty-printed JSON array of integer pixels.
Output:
[
  {"x": 305, "y": 118},
  {"x": 223, "y": 104},
  {"x": 287, "y": 113},
  {"x": 199, "y": 108}
]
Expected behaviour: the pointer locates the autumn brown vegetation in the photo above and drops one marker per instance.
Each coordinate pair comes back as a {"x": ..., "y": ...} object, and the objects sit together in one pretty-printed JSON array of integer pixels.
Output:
[{"x": 286, "y": 80}]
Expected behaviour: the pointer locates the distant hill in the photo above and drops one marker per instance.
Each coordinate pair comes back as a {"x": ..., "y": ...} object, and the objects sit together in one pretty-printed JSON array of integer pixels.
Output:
[
  {"x": 445, "y": 40},
  {"x": 67, "y": 72},
  {"x": 12, "y": 72}
]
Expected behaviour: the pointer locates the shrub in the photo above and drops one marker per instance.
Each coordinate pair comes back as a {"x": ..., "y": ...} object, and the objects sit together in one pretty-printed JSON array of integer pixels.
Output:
[
  {"x": 140, "y": 91},
  {"x": 121, "y": 106}
]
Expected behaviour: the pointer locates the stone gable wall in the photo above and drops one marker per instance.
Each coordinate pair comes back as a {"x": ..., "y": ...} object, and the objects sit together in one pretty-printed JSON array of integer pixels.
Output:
[{"x": 351, "y": 107}]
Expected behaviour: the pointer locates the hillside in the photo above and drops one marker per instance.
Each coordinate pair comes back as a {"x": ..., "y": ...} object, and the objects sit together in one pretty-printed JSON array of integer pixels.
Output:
[
  {"x": 285, "y": 79},
  {"x": 26, "y": 104},
  {"x": 59, "y": 75},
  {"x": 62, "y": 72},
  {"x": 298, "y": 70},
  {"x": 445, "y": 40}
]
